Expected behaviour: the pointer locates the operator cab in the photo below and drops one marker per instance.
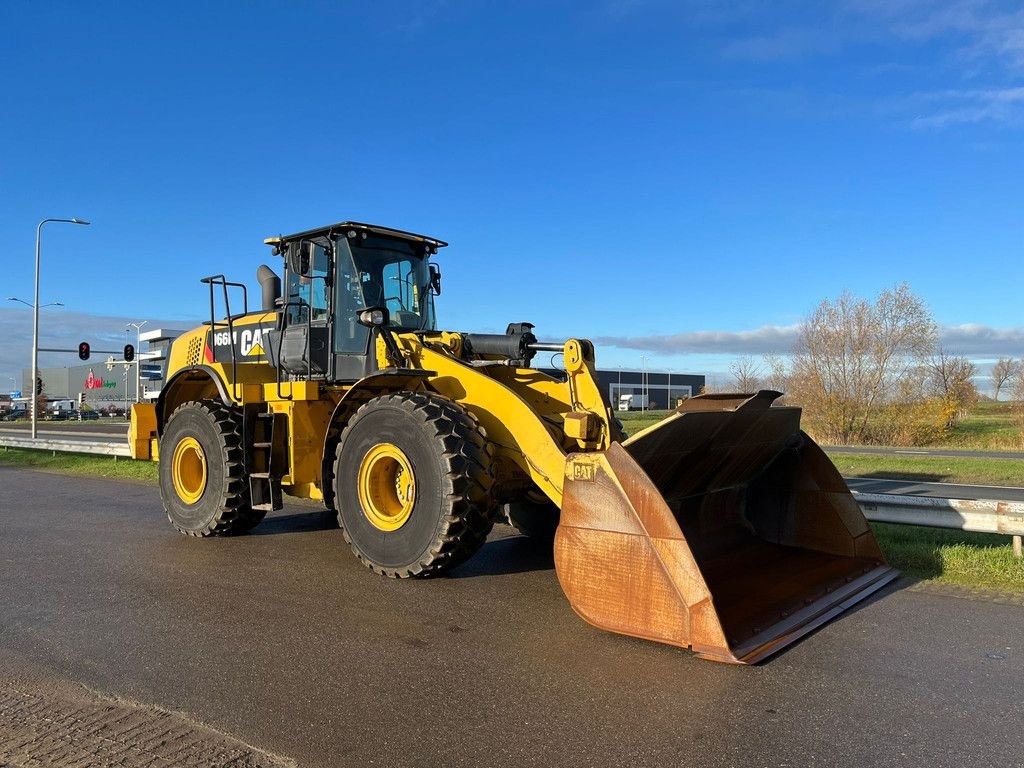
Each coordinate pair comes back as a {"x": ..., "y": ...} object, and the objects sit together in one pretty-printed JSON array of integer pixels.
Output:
[{"x": 333, "y": 273}]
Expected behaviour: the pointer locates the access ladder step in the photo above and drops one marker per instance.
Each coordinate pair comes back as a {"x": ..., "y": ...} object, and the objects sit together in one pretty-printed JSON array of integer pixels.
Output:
[{"x": 265, "y": 492}]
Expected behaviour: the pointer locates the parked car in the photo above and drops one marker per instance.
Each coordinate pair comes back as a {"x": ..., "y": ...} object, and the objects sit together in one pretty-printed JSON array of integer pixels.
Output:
[{"x": 88, "y": 416}]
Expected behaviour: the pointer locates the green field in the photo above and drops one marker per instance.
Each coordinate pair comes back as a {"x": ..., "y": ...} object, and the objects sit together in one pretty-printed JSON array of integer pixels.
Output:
[{"x": 989, "y": 426}]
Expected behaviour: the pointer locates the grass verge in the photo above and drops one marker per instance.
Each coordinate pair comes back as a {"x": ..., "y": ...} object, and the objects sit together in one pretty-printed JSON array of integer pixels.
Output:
[
  {"x": 933, "y": 469},
  {"x": 77, "y": 464},
  {"x": 982, "y": 560}
]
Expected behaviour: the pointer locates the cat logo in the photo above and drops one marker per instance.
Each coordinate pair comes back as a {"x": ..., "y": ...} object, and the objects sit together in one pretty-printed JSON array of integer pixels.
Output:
[
  {"x": 245, "y": 343},
  {"x": 252, "y": 343}
]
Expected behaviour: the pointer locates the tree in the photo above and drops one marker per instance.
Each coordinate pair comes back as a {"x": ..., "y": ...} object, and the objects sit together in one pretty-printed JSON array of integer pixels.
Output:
[
  {"x": 952, "y": 379},
  {"x": 854, "y": 355},
  {"x": 1004, "y": 372},
  {"x": 778, "y": 377},
  {"x": 746, "y": 374}
]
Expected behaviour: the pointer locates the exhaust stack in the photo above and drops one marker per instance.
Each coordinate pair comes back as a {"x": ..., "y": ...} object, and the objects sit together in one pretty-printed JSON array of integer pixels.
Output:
[{"x": 270, "y": 285}]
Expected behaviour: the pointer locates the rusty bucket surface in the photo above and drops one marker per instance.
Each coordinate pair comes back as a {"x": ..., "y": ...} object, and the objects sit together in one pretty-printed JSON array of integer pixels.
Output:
[{"x": 723, "y": 528}]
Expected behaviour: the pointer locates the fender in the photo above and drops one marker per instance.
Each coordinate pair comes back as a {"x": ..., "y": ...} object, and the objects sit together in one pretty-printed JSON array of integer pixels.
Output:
[
  {"x": 364, "y": 390},
  {"x": 197, "y": 374}
]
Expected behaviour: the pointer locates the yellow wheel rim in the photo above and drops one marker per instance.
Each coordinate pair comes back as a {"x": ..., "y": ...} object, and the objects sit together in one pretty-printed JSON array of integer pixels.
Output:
[
  {"x": 387, "y": 487},
  {"x": 188, "y": 470}
]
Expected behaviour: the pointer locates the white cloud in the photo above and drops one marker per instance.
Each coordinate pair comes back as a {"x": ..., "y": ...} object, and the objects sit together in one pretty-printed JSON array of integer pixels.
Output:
[
  {"x": 972, "y": 340},
  {"x": 768, "y": 338},
  {"x": 982, "y": 341}
]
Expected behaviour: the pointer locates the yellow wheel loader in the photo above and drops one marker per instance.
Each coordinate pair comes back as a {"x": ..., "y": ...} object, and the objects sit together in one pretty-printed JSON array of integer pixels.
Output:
[{"x": 723, "y": 528}]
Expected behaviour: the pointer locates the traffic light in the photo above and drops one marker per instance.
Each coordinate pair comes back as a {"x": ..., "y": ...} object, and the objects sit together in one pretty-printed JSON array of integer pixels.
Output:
[
  {"x": 39, "y": 385},
  {"x": 83, "y": 350},
  {"x": 81, "y": 400},
  {"x": 129, "y": 353}
]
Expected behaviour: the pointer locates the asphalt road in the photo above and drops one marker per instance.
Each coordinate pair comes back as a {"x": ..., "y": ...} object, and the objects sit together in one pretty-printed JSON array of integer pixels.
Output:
[
  {"x": 282, "y": 640},
  {"x": 937, "y": 490},
  {"x": 101, "y": 426},
  {"x": 69, "y": 430}
]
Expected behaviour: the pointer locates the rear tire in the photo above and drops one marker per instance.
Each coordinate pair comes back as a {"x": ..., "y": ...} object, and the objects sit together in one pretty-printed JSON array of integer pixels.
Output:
[
  {"x": 413, "y": 485},
  {"x": 536, "y": 519},
  {"x": 202, "y": 485}
]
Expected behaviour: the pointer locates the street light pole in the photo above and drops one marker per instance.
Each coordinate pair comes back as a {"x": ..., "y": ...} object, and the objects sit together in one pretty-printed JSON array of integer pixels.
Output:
[
  {"x": 643, "y": 382},
  {"x": 35, "y": 318},
  {"x": 138, "y": 359}
]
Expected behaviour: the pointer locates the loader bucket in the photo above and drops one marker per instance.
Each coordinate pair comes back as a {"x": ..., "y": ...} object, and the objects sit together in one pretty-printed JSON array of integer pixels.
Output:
[{"x": 723, "y": 528}]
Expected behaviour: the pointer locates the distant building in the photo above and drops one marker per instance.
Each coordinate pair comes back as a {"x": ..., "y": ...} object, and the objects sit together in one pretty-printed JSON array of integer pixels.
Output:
[
  {"x": 100, "y": 388},
  {"x": 654, "y": 384}
]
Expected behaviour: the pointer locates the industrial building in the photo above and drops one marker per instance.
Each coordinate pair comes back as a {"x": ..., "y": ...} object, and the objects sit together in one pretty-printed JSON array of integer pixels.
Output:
[{"x": 663, "y": 389}]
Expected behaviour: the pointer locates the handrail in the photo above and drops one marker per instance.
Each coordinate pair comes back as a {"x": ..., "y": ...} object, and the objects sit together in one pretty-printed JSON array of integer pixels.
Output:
[{"x": 222, "y": 281}]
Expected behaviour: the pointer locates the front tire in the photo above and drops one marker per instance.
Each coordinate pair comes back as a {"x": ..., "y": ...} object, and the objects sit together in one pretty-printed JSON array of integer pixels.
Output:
[
  {"x": 413, "y": 484},
  {"x": 202, "y": 484}
]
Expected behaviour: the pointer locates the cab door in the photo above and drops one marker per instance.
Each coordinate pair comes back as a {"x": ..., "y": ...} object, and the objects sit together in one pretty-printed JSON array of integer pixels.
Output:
[{"x": 306, "y": 320}]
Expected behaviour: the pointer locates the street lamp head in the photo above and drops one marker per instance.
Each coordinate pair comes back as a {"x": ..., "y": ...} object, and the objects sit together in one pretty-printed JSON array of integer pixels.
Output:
[{"x": 80, "y": 221}]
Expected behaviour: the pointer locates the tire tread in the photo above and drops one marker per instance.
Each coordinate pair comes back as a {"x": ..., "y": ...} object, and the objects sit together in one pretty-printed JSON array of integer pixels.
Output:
[{"x": 468, "y": 455}]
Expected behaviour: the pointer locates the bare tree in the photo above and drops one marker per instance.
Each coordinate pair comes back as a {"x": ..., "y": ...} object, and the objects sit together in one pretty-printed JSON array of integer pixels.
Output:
[
  {"x": 777, "y": 376},
  {"x": 854, "y": 355},
  {"x": 1003, "y": 372},
  {"x": 951, "y": 377},
  {"x": 746, "y": 374}
]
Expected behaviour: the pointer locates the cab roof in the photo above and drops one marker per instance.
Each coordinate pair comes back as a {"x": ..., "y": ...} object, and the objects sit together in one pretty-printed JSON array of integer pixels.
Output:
[{"x": 342, "y": 226}]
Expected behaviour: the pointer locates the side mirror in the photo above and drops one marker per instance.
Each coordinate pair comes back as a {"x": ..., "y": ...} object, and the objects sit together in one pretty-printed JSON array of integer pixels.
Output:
[
  {"x": 435, "y": 279},
  {"x": 299, "y": 257},
  {"x": 373, "y": 317}
]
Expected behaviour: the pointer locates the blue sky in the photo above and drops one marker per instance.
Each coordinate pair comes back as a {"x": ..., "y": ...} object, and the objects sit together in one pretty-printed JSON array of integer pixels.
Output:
[{"x": 679, "y": 180}]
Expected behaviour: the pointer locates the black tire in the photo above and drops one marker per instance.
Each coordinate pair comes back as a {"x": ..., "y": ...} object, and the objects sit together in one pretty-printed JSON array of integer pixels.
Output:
[
  {"x": 224, "y": 507},
  {"x": 450, "y": 459},
  {"x": 536, "y": 519}
]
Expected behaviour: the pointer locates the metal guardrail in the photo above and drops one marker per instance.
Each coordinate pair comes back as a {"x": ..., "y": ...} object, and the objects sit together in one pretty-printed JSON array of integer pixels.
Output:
[
  {"x": 101, "y": 447},
  {"x": 980, "y": 515}
]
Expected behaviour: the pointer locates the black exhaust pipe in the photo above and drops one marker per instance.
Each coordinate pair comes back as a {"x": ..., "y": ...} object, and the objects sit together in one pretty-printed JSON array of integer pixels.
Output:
[{"x": 270, "y": 284}]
